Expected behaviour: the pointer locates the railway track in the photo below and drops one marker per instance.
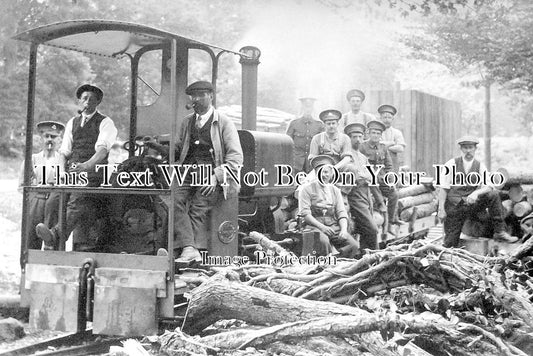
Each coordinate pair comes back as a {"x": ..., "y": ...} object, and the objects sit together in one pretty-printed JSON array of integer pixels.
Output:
[{"x": 72, "y": 344}]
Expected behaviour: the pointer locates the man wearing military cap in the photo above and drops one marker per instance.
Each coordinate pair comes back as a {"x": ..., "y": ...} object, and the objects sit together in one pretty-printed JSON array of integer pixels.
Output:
[
  {"x": 359, "y": 198},
  {"x": 321, "y": 205},
  {"x": 391, "y": 137},
  {"x": 44, "y": 207},
  {"x": 86, "y": 143},
  {"x": 355, "y": 98},
  {"x": 302, "y": 130},
  {"x": 378, "y": 154},
  {"x": 458, "y": 202},
  {"x": 207, "y": 139},
  {"x": 331, "y": 142}
]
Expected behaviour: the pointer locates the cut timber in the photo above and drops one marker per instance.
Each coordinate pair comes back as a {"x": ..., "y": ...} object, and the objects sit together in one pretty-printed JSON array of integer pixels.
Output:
[
  {"x": 224, "y": 297},
  {"x": 522, "y": 209},
  {"x": 422, "y": 211},
  {"x": 521, "y": 176},
  {"x": 414, "y": 190},
  {"x": 408, "y": 202}
]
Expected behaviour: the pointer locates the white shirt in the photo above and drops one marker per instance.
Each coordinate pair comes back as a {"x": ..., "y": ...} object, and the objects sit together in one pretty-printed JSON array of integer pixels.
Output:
[
  {"x": 393, "y": 135},
  {"x": 106, "y": 137},
  {"x": 204, "y": 118}
]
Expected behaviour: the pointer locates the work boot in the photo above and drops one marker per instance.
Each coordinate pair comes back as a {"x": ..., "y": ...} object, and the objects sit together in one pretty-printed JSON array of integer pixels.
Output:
[
  {"x": 49, "y": 236},
  {"x": 505, "y": 236},
  {"x": 188, "y": 255}
]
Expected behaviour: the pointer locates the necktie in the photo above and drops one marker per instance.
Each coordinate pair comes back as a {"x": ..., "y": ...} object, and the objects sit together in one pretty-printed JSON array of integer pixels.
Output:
[{"x": 198, "y": 122}]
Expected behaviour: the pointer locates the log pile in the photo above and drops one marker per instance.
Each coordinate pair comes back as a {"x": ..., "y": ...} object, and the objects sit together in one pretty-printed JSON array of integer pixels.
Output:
[
  {"x": 418, "y": 200},
  {"x": 419, "y": 299}
]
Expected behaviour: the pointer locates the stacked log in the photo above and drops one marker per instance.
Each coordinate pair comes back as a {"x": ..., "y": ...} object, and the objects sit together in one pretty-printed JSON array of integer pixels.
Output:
[{"x": 419, "y": 200}]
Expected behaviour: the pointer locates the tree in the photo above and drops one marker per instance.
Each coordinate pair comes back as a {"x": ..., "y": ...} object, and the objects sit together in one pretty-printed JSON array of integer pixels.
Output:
[{"x": 492, "y": 40}]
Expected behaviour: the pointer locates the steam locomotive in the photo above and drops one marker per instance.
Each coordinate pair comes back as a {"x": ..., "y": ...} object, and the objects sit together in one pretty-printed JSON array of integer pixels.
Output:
[{"x": 123, "y": 287}]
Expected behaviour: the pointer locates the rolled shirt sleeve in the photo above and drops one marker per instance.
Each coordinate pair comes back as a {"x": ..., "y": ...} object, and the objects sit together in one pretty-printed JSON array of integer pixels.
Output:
[
  {"x": 340, "y": 209},
  {"x": 66, "y": 144},
  {"x": 304, "y": 200},
  {"x": 107, "y": 136}
]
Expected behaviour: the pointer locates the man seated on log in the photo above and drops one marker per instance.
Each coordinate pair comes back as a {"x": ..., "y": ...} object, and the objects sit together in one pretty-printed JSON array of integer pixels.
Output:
[
  {"x": 458, "y": 202},
  {"x": 321, "y": 205},
  {"x": 378, "y": 154},
  {"x": 391, "y": 137},
  {"x": 359, "y": 197}
]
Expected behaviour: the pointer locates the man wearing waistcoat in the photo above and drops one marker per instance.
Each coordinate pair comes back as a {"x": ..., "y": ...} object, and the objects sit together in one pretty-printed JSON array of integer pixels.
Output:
[
  {"x": 87, "y": 140},
  {"x": 207, "y": 138},
  {"x": 43, "y": 205},
  {"x": 458, "y": 202}
]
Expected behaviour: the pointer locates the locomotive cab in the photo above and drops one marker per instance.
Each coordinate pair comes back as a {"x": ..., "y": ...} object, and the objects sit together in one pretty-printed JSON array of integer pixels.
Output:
[{"x": 129, "y": 294}]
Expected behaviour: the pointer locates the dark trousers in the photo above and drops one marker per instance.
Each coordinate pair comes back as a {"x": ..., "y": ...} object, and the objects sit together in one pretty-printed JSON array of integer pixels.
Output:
[
  {"x": 44, "y": 208},
  {"x": 458, "y": 213},
  {"x": 360, "y": 208},
  {"x": 83, "y": 210},
  {"x": 346, "y": 248},
  {"x": 191, "y": 216},
  {"x": 391, "y": 193}
]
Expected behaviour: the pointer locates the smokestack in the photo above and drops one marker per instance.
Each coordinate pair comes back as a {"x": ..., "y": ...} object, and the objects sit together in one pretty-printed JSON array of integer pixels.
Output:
[{"x": 249, "y": 63}]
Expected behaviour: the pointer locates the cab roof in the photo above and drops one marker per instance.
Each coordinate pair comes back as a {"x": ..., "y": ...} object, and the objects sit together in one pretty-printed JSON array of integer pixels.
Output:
[{"x": 104, "y": 37}]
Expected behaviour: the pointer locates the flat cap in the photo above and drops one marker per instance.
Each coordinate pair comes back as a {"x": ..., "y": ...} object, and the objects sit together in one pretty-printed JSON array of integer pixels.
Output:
[
  {"x": 321, "y": 160},
  {"x": 468, "y": 140},
  {"x": 376, "y": 125},
  {"x": 199, "y": 86},
  {"x": 355, "y": 92},
  {"x": 330, "y": 114},
  {"x": 54, "y": 127},
  {"x": 387, "y": 108},
  {"x": 355, "y": 127},
  {"x": 89, "y": 87}
]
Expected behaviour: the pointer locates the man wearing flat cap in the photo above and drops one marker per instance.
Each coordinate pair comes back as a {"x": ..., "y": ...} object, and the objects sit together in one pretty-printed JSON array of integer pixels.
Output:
[
  {"x": 392, "y": 138},
  {"x": 44, "y": 207},
  {"x": 321, "y": 205},
  {"x": 359, "y": 198},
  {"x": 86, "y": 143},
  {"x": 458, "y": 202},
  {"x": 355, "y": 98},
  {"x": 207, "y": 139},
  {"x": 378, "y": 154},
  {"x": 302, "y": 130}
]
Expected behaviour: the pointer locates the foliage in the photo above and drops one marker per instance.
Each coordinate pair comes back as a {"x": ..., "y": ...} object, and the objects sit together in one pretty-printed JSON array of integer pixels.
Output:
[{"x": 60, "y": 72}]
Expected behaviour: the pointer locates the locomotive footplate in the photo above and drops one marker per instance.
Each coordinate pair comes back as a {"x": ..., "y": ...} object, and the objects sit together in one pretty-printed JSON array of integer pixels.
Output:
[{"x": 121, "y": 294}]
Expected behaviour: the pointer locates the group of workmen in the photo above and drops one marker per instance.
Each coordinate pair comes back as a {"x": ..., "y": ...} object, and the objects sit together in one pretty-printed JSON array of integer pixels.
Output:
[{"x": 347, "y": 142}]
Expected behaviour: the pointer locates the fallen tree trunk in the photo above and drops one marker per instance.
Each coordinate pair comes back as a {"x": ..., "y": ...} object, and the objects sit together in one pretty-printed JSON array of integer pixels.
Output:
[
  {"x": 422, "y": 211},
  {"x": 521, "y": 176},
  {"x": 413, "y": 190},
  {"x": 346, "y": 326},
  {"x": 220, "y": 298},
  {"x": 408, "y": 202}
]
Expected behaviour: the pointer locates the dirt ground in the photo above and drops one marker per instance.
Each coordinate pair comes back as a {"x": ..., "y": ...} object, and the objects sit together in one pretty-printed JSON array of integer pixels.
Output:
[{"x": 10, "y": 215}]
